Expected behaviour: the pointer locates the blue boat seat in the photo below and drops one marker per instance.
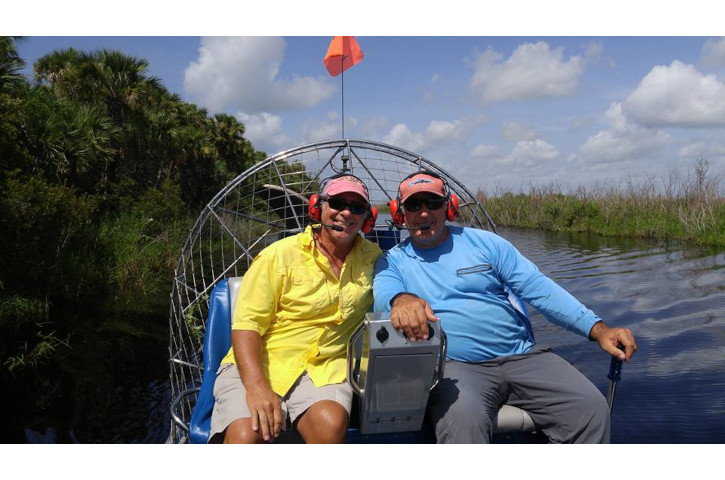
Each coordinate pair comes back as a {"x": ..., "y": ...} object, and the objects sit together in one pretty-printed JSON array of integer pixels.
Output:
[
  {"x": 386, "y": 238},
  {"x": 218, "y": 340}
]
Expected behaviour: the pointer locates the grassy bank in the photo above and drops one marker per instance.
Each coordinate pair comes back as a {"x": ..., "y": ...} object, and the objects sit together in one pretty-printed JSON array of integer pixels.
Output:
[{"x": 687, "y": 207}]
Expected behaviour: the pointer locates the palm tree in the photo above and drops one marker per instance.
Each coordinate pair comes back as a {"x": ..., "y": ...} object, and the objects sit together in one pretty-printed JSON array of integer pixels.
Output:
[
  {"x": 52, "y": 68},
  {"x": 108, "y": 77},
  {"x": 11, "y": 81},
  {"x": 71, "y": 144}
]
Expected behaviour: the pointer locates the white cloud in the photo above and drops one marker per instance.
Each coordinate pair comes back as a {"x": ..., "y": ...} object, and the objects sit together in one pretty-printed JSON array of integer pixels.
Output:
[
  {"x": 529, "y": 161},
  {"x": 330, "y": 128},
  {"x": 705, "y": 149},
  {"x": 437, "y": 133},
  {"x": 374, "y": 127},
  {"x": 534, "y": 70},
  {"x": 713, "y": 53},
  {"x": 593, "y": 52},
  {"x": 401, "y": 136},
  {"x": 622, "y": 142},
  {"x": 533, "y": 153},
  {"x": 445, "y": 132},
  {"x": 485, "y": 151},
  {"x": 264, "y": 130},
  {"x": 516, "y": 131},
  {"x": 242, "y": 73},
  {"x": 677, "y": 96}
]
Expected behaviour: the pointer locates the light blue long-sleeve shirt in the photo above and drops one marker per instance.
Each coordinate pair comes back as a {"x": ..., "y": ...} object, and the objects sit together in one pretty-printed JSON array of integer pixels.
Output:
[{"x": 468, "y": 282}]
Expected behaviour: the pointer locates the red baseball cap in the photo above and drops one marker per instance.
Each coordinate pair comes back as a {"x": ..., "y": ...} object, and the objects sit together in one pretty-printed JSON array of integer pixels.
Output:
[
  {"x": 347, "y": 183},
  {"x": 421, "y": 182}
]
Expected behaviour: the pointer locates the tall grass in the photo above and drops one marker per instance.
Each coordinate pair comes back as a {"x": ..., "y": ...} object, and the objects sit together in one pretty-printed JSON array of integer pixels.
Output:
[{"x": 687, "y": 207}]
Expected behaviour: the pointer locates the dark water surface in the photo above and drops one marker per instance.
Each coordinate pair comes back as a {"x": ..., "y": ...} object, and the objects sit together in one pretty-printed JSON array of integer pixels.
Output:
[{"x": 672, "y": 298}]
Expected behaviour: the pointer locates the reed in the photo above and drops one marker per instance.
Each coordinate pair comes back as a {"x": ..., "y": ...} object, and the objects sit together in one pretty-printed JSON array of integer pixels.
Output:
[{"x": 687, "y": 207}]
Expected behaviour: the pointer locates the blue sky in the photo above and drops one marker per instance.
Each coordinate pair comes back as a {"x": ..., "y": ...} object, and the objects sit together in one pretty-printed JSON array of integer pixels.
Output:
[{"x": 496, "y": 111}]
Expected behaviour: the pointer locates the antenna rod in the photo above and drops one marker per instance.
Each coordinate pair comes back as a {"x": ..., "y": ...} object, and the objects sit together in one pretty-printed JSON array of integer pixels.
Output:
[{"x": 342, "y": 80}]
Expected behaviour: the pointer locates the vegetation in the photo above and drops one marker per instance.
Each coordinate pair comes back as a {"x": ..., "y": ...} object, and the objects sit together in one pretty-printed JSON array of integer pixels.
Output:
[
  {"x": 686, "y": 207},
  {"x": 102, "y": 172}
]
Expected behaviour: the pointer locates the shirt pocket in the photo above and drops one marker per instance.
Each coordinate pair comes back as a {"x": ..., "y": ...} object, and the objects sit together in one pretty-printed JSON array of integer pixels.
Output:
[
  {"x": 481, "y": 268},
  {"x": 305, "y": 292},
  {"x": 359, "y": 292},
  {"x": 476, "y": 278}
]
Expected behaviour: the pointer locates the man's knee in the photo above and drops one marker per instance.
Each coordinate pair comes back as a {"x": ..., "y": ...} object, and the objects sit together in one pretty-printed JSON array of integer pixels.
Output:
[
  {"x": 240, "y": 431},
  {"x": 598, "y": 429},
  {"x": 587, "y": 421},
  {"x": 462, "y": 420},
  {"x": 324, "y": 422}
]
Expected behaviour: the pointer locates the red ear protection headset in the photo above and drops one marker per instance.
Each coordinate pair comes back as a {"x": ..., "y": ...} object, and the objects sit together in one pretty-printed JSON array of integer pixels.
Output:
[
  {"x": 314, "y": 210},
  {"x": 397, "y": 209}
]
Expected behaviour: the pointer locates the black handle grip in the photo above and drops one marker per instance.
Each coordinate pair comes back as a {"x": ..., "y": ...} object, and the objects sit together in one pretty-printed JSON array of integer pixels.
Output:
[{"x": 615, "y": 367}]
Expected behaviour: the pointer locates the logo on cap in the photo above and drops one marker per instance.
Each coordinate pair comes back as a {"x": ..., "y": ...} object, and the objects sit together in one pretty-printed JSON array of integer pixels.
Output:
[{"x": 419, "y": 181}]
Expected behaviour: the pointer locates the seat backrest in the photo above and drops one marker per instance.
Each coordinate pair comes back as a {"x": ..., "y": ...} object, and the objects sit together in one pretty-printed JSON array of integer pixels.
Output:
[
  {"x": 217, "y": 342},
  {"x": 386, "y": 238}
]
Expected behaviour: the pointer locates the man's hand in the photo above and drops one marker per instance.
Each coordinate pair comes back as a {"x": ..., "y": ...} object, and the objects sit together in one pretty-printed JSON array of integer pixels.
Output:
[
  {"x": 609, "y": 340},
  {"x": 264, "y": 405},
  {"x": 266, "y": 410},
  {"x": 410, "y": 314}
]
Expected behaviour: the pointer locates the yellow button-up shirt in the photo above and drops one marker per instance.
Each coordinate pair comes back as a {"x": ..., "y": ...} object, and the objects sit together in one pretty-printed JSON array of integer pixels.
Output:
[{"x": 303, "y": 313}]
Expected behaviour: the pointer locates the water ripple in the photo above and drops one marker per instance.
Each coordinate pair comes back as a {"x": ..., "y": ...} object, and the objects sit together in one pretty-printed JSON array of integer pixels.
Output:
[{"x": 673, "y": 299}]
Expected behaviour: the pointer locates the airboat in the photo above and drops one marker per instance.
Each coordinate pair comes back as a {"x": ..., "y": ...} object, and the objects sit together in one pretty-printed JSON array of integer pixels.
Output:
[{"x": 262, "y": 205}]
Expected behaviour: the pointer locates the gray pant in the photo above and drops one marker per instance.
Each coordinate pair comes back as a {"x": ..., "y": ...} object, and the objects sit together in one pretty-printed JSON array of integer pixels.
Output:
[{"x": 561, "y": 401}]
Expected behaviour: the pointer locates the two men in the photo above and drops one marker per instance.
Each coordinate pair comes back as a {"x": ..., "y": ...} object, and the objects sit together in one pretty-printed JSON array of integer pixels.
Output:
[
  {"x": 470, "y": 280},
  {"x": 303, "y": 296}
]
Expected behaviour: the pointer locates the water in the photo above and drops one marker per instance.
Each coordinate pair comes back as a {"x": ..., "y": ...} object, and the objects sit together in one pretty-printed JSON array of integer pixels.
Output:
[
  {"x": 673, "y": 391},
  {"x": 673, "y": 300},
  {"x": 111, "y": 386}
]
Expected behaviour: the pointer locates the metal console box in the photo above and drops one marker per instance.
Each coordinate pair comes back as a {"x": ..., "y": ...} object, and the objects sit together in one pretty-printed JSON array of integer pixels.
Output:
[{"x": 392, "y": 375}]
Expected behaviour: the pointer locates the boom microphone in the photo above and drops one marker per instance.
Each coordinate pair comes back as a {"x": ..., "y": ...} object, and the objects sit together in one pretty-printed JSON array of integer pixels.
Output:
[{"x": 336, "y": 228}]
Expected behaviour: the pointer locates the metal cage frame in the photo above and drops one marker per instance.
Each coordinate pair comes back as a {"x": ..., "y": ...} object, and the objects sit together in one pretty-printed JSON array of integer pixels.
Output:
[{"x": 263, "y": 204}]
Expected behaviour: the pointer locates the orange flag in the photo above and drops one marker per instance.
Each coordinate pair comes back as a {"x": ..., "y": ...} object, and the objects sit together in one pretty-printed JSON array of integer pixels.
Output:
[{"x": 342, "y": 54}]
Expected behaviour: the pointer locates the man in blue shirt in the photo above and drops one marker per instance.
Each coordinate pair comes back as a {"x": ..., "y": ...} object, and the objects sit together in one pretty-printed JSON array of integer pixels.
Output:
[{"x": 471, "y": 281}]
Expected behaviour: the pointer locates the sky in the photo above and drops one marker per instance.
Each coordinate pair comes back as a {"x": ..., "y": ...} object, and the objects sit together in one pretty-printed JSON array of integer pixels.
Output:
[{"x": 498, "y": 112}]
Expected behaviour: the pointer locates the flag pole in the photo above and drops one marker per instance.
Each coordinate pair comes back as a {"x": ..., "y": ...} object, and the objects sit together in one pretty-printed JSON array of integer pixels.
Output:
[{"x": 342, "y": 81}]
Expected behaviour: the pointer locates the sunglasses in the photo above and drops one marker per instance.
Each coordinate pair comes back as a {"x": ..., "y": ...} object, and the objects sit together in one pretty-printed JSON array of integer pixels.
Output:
[
  {"x": 415, "y": 204},
  {"x": 339, "y": 204}
]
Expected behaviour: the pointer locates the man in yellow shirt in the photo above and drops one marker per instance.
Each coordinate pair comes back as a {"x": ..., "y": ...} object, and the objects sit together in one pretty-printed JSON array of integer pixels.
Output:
[{"x": 298, "y": 304}]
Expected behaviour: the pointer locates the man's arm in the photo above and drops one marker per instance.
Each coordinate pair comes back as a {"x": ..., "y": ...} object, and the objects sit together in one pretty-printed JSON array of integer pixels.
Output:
[
  {"x": 609, "y": 339},
  {"x": 263, "y": 403},
  {"x": 558, "y": 305},
  {"x": 256, "y": 303},
  {"x": 409, "y": 313}
]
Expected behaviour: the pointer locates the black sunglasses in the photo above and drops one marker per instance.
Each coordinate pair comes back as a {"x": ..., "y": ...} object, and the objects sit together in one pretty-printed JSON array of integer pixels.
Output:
[
  {"x": 415, "y": 204},
  {"x": 339, "y": 204}
]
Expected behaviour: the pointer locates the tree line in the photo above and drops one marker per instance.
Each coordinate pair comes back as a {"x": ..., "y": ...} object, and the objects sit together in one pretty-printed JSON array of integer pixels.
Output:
[{"x": 102, "y": 171}]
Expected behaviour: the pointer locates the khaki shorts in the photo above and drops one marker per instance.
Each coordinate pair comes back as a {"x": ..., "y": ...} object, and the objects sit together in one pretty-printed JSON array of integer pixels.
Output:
[{"x": 230, "y": 399}]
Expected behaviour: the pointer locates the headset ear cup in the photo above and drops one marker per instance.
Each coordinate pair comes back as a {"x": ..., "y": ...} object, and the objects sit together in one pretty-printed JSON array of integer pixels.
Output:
[
  {"x": 313, "y": 210},
  {"x": 395, "y": 214},
  {"x": 370, "y": 221},
  {"x": 452, "y": 212}
]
